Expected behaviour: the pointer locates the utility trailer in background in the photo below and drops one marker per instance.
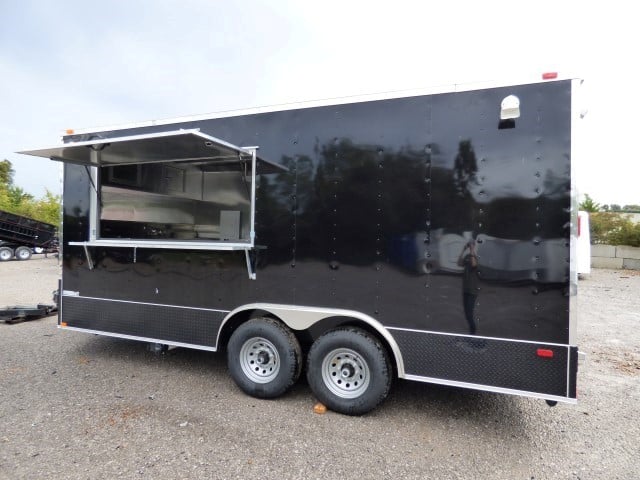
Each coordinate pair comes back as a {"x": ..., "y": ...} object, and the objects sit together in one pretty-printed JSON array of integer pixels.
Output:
[
  {"x": 324, "y": 234},
  {"x": 21, "y": 236}
]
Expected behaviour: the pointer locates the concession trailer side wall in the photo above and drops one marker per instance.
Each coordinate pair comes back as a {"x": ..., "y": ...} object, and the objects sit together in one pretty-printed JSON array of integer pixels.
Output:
[{"x": 428, "y": 236}]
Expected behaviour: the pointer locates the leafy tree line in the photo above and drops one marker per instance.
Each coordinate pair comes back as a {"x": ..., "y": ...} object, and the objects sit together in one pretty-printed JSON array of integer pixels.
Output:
[
  {"x": 14, "y": 199},
  {"x": 590, "y": 205},
  {"x": 609, "y": 224}
]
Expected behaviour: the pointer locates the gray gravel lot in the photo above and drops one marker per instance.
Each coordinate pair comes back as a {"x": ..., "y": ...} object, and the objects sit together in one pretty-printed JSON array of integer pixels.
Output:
[{"x": 74, "y": 405}]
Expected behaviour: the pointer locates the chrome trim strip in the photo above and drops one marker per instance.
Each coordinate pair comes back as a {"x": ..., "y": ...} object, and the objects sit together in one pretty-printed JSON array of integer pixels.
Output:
[
  {"x": 94, "y": 214},
  {"x": 146, "y": 303},
  {"x": 60, "y": 291},
  {"x": 478, "y": 336},
  {"x": 252, "y": 234},
  {"x": 142, "y": 339},
  {"x": 450, "y": 88},
  {"x": 178, "y": 244},
  {"x": 303, "y": 317},
  {"x": 487, "y": 388},
  {"x": 573, "y": 242},
  {"x": 568, "y": 370}
]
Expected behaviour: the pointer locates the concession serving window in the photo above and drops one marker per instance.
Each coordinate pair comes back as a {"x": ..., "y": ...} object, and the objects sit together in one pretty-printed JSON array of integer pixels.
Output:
[{"x": 180, "y": 189}]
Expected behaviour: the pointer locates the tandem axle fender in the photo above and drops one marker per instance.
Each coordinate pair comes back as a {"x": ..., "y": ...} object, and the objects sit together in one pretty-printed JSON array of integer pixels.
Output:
[{"x": 302, "y": 318}]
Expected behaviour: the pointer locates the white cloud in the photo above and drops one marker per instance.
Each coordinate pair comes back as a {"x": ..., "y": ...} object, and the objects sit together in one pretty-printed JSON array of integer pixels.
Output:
[{"x": 79, "y": 64}]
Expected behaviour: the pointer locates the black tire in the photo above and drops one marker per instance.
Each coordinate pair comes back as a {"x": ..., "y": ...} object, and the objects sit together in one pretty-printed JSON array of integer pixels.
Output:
[
  {"x": 6, "y": 254},
  {"x": 264, "y": 358},
  {"x": 349, "y": 371},
  {"x": 23, "y": 253}
]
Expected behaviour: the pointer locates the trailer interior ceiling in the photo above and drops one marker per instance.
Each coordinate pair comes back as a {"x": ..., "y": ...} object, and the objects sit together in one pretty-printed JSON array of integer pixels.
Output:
[{"x": 175, "y": 189}]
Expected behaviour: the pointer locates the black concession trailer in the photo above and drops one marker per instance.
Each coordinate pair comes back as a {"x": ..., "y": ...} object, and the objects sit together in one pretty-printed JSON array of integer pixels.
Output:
[{"x": 427, "y": 236}]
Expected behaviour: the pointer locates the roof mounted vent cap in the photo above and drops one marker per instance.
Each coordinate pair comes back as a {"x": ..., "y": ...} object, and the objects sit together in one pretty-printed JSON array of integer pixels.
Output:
[{"x": 510, "y": 108}]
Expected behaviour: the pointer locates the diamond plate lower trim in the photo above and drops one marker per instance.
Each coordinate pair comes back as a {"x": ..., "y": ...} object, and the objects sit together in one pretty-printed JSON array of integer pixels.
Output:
[
  {"x": 493, "y": 363},
  {"x": 174, "y": 324}
]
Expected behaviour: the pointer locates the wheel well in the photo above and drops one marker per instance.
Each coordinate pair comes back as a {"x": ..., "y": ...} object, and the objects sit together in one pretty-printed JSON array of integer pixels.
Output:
[
  {"x": 331, "y": 323},
  {"x": 308, "y": 336},
  {"x": 235, "y": 321}
]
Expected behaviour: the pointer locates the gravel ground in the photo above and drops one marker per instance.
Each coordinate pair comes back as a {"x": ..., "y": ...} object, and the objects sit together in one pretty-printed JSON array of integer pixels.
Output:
[{"x": 80, "y": 406}]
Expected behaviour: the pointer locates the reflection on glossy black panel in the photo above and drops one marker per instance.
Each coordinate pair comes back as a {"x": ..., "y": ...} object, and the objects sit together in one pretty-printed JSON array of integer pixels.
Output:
[
  {"x": 76, "y": 203},
  {"x": 377, "y": 212}
]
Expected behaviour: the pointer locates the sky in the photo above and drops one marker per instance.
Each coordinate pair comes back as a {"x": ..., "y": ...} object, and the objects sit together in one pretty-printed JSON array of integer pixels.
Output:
[{"x": 79, "y": 64}]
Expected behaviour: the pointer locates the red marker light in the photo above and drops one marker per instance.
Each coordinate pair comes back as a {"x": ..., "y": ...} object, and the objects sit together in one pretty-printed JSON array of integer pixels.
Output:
[
  {"x": 579, "y": 222},
  {"x": 545, "y": 353},
  {"x": 549, "y": 75}
]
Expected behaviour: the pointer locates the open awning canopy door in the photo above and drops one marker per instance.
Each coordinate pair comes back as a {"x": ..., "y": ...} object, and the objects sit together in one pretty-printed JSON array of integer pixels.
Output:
[{"x": 189, "y": 146}]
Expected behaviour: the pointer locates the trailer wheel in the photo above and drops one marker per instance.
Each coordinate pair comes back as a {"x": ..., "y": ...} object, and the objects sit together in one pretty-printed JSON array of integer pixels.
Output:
[
  {"x": 264, "y": 357},
  {"x": 349, "y": 371},
  {"x": 23, "y": 253},
  {"x": 6, "y": 253}
]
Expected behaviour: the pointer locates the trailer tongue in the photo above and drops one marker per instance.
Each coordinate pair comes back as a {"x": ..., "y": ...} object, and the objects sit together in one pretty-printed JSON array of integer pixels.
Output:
[{"x": 19, "y": 313}]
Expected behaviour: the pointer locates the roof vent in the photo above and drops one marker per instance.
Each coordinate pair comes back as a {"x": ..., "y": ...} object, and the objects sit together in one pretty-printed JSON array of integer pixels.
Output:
[{"x": 510, "y": 108}]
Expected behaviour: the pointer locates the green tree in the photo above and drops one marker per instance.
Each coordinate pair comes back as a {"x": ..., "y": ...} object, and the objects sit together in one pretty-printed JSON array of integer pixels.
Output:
[
  {"x": 6, "y": 173},
  {"x": 49, "y": 208},
  {"x": 631, "y": 208},
  {"x": 17, "y": 196},
  {"x": 589, "y": 205},
  {"x": 614, "y": 229},
  {"x": 14, "y": 199}
]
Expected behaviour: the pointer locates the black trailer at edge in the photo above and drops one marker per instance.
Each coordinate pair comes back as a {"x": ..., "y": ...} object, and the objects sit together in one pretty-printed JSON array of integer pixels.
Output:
[
  {"x": 20, "y": 236},
  {"x": 428, "y": 237}
]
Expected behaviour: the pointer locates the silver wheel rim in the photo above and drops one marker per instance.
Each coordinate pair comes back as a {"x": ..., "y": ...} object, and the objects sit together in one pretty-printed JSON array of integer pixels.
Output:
[
  {"x": 5, "y": 255},
  {"x": 345, "y": 373},
  {"x": 22, "y": 254},
  {"x": 259, "y": 360}
]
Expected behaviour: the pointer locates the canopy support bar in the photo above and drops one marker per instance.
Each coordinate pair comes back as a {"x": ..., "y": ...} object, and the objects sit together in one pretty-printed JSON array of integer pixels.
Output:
[
  {"x": 89, "y": 260},
  {"x": 94, "y": 218}
]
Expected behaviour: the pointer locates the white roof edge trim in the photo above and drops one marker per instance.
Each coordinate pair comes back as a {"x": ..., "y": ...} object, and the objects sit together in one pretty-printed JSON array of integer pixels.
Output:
[{"x": 448, "y": 88}]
